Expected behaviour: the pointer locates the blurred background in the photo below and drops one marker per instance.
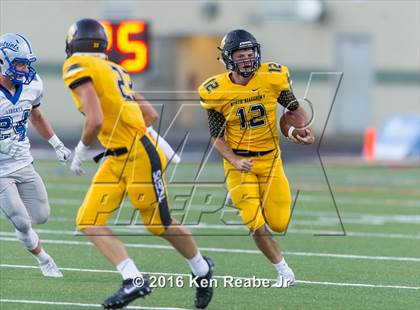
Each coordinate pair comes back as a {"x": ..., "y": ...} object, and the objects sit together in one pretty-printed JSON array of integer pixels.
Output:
[{"x": 172, "y": 48}]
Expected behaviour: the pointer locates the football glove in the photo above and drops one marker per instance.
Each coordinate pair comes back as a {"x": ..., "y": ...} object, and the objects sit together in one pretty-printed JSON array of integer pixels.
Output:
[
  {"x": 80, "y": 155},
  {"x": 63, "y": 153}
]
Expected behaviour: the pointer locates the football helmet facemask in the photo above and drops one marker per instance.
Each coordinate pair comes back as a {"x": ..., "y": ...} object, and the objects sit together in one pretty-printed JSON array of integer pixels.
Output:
[
  {"x": 237, "y": 40},
  {"x": 86, "y": 36},
  {"x": 15, "y": 54}
]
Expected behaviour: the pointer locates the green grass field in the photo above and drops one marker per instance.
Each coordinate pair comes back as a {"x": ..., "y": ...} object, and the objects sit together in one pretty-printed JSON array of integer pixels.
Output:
[{"x": 375, "y": 266}]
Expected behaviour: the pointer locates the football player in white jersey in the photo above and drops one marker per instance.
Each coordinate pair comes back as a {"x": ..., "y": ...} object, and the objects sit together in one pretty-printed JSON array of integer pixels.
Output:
[{"x": 23, "y": 197}]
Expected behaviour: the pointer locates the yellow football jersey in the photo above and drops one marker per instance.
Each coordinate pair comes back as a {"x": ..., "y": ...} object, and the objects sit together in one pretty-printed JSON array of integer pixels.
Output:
[
  {"x": 123, "y": 119},
  {"x": 250, "y": 110}
]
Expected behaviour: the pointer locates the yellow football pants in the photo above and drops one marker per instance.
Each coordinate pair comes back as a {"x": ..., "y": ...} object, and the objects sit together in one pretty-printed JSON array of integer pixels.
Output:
[
  {"x": 139, "y": 174},
  {"x": 261, "y": 195}
]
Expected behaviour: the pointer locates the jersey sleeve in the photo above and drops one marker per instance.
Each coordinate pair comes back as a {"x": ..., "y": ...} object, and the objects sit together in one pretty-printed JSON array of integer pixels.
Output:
[
  {"x": 38, "y": 88},
  {"x": 209, "y": 98},
  {"x": 76, "y": 71}
]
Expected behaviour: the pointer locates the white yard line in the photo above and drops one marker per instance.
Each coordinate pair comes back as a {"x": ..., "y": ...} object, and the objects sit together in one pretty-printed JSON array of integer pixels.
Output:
[
  {"x": 325, "y": 218},
  {"x": 224, "y": 276},
  {"x": 140, "y": 229},
  {"x": 299, "y": 219},
  {"x": 226, "y": 250},
  {"x": 333, "y": 221},
  {"x": 333, "y": 213},
  {"x": 75, "y": 304},
  {"x": 305, "y": 198},
  {"x": 358, "y": 234}
]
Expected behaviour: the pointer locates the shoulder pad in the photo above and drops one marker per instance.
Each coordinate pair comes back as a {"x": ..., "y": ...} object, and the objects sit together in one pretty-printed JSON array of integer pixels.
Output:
[
  {"x": 77, "y": 67},
  {"x": 272, "y": 67}
]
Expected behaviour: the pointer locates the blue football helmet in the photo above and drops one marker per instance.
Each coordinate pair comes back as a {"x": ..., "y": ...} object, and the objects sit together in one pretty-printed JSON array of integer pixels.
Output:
[{"x": 16, "y": 50}]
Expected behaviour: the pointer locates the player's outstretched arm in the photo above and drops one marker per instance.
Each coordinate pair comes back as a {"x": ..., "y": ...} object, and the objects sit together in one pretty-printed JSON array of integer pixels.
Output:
[
  {"x": 45, "y": 129},
  {"x": 91, "y": 107}
]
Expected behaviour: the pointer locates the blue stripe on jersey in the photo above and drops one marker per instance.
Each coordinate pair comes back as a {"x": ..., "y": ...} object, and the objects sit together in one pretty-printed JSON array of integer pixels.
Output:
[{"x": 15, "y": 98}]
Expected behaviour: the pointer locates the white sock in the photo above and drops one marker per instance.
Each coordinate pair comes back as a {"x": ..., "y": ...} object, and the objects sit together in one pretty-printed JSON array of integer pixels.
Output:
[
  {"x": 199, "y": 266},
  {"x": 281, "y": 266},
  {"x": 128, "y": 269},
  {"x": 42, "y": 257}
]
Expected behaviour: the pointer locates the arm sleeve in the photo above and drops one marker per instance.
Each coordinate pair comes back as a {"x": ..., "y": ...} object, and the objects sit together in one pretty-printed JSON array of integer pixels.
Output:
[
  {"x": 288, "y": 100},
  {"x": 216, "y": 122}
]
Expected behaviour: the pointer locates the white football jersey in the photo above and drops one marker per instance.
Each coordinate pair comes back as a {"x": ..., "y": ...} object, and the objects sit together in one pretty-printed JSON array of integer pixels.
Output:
[{"x": 14, "y": 116}]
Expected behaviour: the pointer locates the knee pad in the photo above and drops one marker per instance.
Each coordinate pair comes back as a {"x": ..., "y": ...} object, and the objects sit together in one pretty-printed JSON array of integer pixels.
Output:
[
  {"x": 278, "y": 225},
  {"x": 277, "y": 215},
  {"x": 29, "y": 239}
]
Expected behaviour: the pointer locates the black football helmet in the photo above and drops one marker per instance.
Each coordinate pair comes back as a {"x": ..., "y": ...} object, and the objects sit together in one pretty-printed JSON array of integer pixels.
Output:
[
  {"x": 236, "y": 40},
  {"x": 86, "y": 36}
]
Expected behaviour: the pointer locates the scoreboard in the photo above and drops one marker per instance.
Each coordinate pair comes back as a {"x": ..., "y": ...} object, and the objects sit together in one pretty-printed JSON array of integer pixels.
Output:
[{"x": 128, "y": 44}]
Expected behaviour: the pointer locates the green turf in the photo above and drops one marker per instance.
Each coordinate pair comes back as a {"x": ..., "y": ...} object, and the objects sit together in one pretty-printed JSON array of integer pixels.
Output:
[{"x": 373, "y": 202}]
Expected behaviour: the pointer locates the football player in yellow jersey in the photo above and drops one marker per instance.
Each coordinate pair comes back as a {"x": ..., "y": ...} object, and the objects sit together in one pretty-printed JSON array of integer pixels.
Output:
[
  {"x": 132, "y": 164},
  {"x": 241, "y": 106}
]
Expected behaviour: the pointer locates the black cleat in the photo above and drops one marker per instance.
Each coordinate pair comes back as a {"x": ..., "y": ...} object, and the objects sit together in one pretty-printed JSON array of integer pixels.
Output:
[
  {"x": 204, "y": 289},
  {"x": 130, "y": 290}
]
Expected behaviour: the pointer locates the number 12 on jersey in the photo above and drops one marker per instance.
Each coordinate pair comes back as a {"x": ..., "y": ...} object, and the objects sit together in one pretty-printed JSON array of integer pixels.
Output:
[{"x": 257, "y": 112}]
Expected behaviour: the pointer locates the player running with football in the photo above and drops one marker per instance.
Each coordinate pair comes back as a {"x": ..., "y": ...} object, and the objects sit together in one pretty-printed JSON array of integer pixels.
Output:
[
  {"x": 241, "y": 106},
  {"x": 118, "y": 117},
  {"x": 23, "y": 197}
]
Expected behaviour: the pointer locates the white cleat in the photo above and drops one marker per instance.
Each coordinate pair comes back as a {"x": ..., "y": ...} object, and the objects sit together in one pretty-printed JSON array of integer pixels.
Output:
[
  {"x": 285, "y": 279},
  {"x": 50, "y": 269}
]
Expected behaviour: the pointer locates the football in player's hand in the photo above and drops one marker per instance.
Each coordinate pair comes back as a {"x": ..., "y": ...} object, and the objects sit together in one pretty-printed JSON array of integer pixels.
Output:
[{"x": 295, "y": 121}]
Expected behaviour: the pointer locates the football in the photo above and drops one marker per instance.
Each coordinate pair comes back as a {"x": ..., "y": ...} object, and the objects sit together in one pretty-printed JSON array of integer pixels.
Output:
[{"x": 294, "y": 121}]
